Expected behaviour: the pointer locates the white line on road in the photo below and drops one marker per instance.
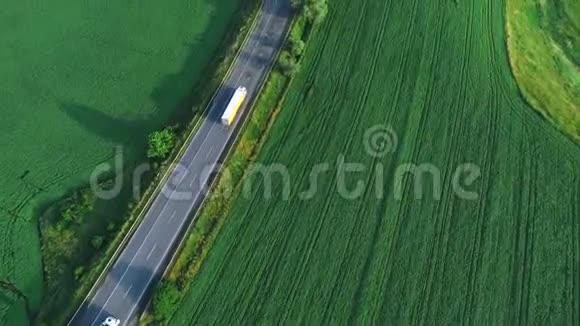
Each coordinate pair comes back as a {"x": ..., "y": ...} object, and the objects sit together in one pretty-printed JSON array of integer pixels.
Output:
[
  {"x": 209, "y": 151},
  {"x": 128, "y": 290},
  {"x": 171, "y": 217},
  {"x": 192, "y": 182},
  {"x": 151, "y": 252}
]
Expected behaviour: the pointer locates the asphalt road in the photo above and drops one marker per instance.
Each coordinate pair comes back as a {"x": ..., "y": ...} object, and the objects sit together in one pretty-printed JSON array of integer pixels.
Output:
[{"x": 127, "y": 285}]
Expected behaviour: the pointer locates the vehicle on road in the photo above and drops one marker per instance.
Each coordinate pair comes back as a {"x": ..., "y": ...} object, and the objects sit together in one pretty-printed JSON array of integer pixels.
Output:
[
  {"x": 234, "y": 105},
  {"x": 111, "y": 321}
]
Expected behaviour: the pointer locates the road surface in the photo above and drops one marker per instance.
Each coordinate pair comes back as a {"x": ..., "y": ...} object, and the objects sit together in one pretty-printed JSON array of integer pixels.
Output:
[{"x": 127, "y": 285}]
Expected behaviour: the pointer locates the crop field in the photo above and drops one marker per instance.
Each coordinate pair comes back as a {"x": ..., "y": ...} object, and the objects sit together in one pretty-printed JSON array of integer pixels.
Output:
[
  {"x": 80, "y": 78},
  {"x": 435, "y": 75}
]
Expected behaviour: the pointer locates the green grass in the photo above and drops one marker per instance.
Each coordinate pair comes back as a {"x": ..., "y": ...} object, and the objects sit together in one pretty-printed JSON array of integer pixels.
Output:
[
  {"x": 438, "y": 73},
  {"x": 562, "y": 20},
  {"x": 79, "y": 79},
  {"x": 544, "y": 48}
]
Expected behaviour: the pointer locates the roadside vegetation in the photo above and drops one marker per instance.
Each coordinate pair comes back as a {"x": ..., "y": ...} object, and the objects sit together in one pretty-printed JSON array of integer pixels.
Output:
[
  {"x": 436, "y": 74},
  {"x": 212, "y": 216},
  {"x": 544, "y": 48}
]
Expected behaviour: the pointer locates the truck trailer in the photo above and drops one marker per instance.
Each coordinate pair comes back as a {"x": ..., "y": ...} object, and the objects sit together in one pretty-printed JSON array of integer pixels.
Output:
[{"x": 234, "y": 105}]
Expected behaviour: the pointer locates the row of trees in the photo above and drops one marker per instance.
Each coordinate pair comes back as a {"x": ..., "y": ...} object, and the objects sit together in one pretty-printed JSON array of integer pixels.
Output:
[{"x": 312, "y": 11}]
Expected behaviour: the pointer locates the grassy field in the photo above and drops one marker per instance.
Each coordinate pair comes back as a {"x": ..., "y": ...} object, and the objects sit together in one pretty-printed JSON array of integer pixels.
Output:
[
  {"x": 544, "y": 48},
  {"x": 438, "y": 74},
  {"x": 79, "y": 79}
]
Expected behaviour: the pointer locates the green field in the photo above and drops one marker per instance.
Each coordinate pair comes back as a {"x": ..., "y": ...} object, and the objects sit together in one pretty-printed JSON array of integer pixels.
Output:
[
  {"x": 78, "y": 79},
  {"x": 437, "y": 72},
  {"x": 544, "y": 49}
]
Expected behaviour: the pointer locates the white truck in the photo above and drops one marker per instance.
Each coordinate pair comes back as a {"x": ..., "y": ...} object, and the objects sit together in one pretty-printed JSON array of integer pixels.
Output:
[{"x": 234, "y": 105}]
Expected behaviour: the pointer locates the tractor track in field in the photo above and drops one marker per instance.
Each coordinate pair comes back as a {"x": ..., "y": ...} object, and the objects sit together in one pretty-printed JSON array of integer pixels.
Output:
[
  {"x": 528, "y": 259},
  {"x": 325, "y": 212},
  {"x": 360, "y": 207},
  {"x": 481, "y": 225},
  {"x": 445, "y": 206},
  {"x": 484, "y": 200},
  {"x": 427, "y": 102},
  {"x": 520, "y": 265},
  {"x": 403, "y": 64},
  {"x": 329, "y": 196},
  {"x": 442, "y": 207},
  {"x": 365, "y": 90}
]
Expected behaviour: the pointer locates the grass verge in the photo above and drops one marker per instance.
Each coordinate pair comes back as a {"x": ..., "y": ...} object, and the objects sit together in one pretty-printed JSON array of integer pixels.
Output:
[
  {"x": 227, "y": 187},
  {"x": 542, "y": 37}
]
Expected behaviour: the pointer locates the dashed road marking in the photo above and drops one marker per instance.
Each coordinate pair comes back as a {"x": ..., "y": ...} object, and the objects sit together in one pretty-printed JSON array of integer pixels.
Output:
[
  {"x": 128, "y": 290},
  {"x": 209, "y": 151},
  {"x": 151, "y": 252},
  {"x": 171, "y": 217}
]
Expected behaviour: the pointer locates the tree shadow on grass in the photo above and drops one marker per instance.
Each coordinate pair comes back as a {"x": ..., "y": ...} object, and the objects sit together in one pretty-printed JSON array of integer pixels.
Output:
[{"x": 121, "y": 131}]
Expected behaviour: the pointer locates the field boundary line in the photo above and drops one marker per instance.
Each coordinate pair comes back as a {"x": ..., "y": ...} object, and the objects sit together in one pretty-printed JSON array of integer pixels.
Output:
[{"x": 168, "y": 170}]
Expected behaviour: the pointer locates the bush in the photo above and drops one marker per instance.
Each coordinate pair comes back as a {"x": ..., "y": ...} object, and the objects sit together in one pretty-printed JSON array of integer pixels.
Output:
[
  {"x": 297, "y": 47},
  {"x": 288, "y": 63},
  {"x": 166, "y": 302},
  {"x": 161, "y": 143},
  {"x": 316, "y": 10}
]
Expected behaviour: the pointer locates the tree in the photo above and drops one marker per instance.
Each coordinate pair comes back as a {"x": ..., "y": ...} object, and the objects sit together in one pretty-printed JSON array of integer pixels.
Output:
[
  {"x": 316, "y": 10},
  {"x": 297, "y": 47},
  {"x": 166, "y": 301},
  {"x": 161, "y": 143},
  {"x": 288, "y": 63}
]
